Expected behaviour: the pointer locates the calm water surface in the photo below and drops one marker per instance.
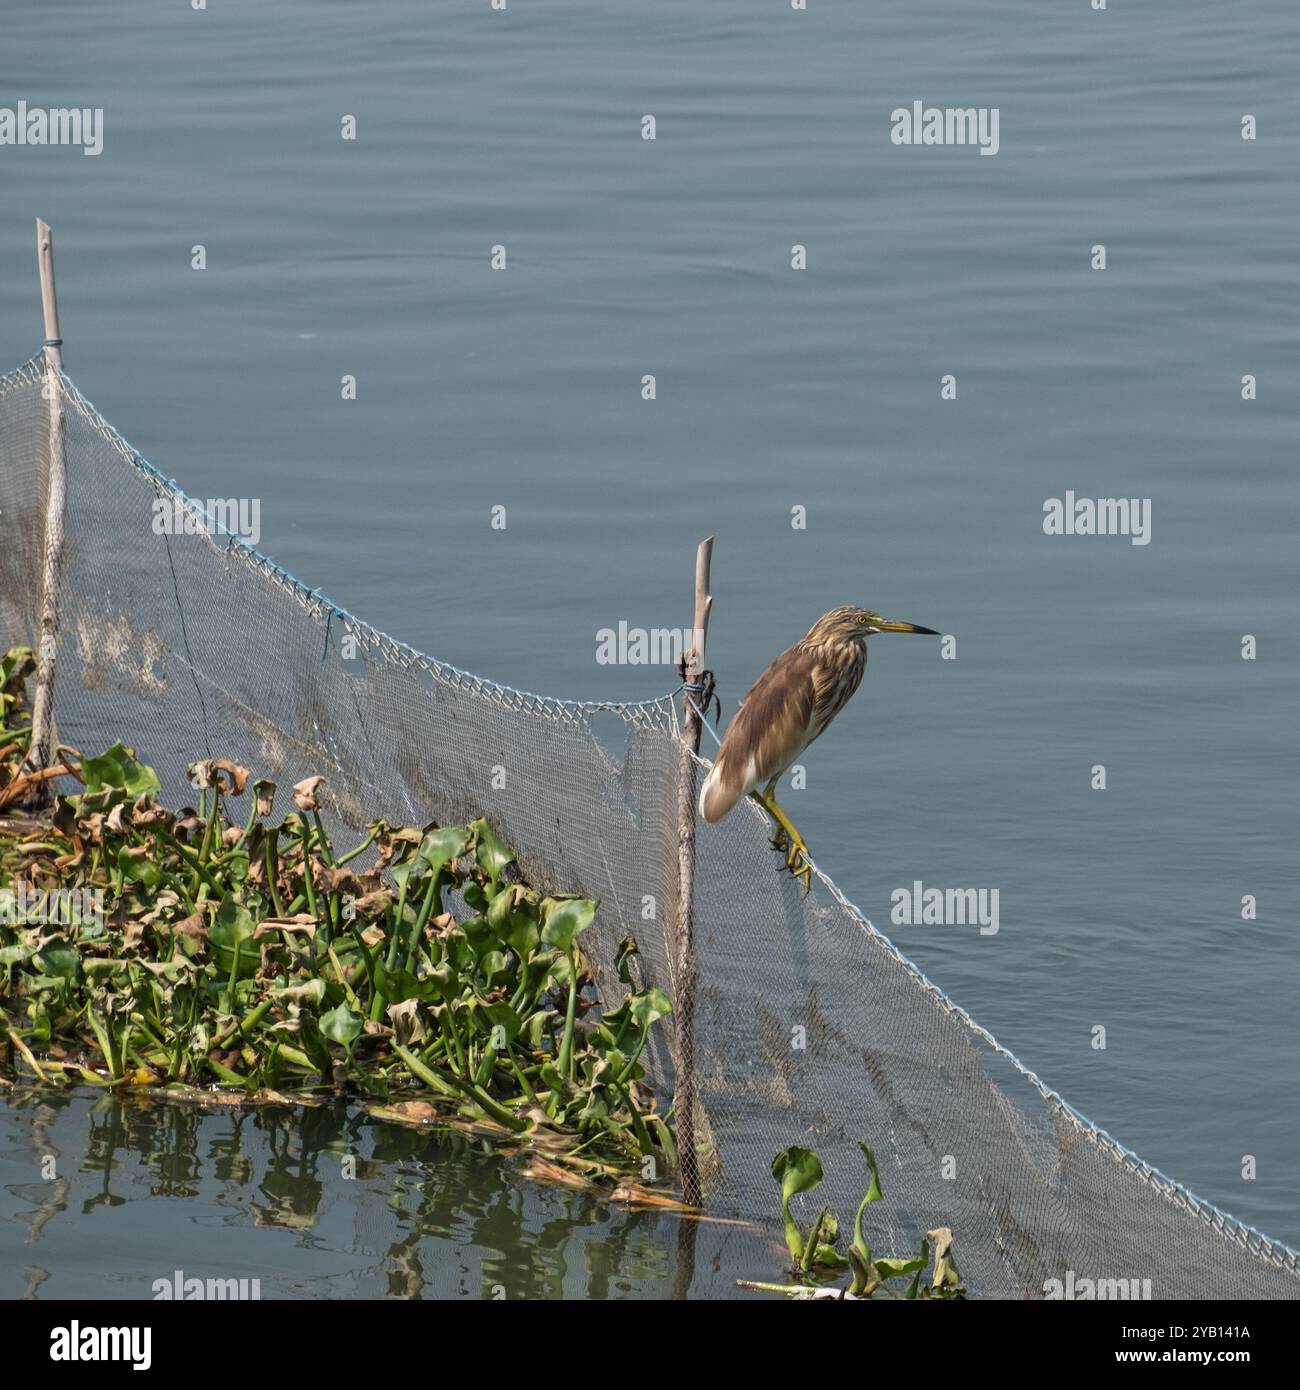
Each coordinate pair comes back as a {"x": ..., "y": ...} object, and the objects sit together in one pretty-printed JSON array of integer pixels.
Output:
[
  {"x": 775, "y": 389},
  {"x": 143, "y": 1190}
]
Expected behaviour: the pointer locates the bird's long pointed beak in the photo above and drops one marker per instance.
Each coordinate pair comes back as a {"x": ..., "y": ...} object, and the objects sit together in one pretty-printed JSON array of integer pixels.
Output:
[{"x": 908, "y": 627}]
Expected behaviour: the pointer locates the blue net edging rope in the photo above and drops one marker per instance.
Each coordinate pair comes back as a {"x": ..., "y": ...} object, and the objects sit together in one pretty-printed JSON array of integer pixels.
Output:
[
  {"x": 1215, "y": 1217},
  {"x": 1182, "y": 1197},
  {"x": 654, "y": 713}
]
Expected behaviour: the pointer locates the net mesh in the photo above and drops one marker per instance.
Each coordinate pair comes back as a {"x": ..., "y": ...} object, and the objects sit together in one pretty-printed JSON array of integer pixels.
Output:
[{"x": 810, "y": 1026}]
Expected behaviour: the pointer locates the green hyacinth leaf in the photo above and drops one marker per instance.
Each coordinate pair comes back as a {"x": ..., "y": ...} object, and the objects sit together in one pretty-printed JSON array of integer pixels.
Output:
[
  {"x": 493, "y": 854},
  {"x": 892, "y": 1267},
  {"x": 341, "y": 1025},
  {"x": 490, "y": 1017},
  {"x": 564, "y": 920},
  {"x": 873, "y": 1195},
  {"x": 649, "y": 1007},
  {"x": 231, "y": 935},
  {"x": 117, "y": 767},
  {"x": 797, "y": 1170},
  {"x": 439, "y": 847},
  {"x": 59, "y": 960}
]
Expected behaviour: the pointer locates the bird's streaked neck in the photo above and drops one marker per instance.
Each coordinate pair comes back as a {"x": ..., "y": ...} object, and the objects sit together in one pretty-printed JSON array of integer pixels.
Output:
[{"x": 815, "y": 641}]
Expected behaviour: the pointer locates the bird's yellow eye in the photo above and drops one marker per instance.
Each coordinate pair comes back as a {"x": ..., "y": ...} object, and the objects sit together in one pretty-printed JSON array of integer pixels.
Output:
[{"x": 862, "y": 618}]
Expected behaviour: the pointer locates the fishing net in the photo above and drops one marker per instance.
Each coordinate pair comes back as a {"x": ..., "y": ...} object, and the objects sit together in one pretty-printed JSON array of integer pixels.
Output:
[{"x": 810, "y": 1026}]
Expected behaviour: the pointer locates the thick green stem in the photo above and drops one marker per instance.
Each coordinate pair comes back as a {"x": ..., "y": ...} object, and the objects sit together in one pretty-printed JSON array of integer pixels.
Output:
[
  {"x": 810, "y": 1246},
  {"x": 223, "y": 1073},
  {"x": 326, "y": 853},
  {"x": 248, "y": 825},
  {"x": 272, "y": 862},
  {"x": 210, "y": 829},
  {"x": 367, "y": 958},
  {"x": 452, "y": 1035},
  {"x": 793, "y": 1236},
  {"x": 636, "y": 1055},
  {"x": 192, "y": 859},
  {"x": 432, "y": 897},
  {"x": 570, "y": 1014},
  {"x": 380, "y": 1002},
  {"x": 360, "y": 849},
  {"x": 484, "y": 1101},
  {"x": 520, "y": 1077},
  {"x": 643, "y": 1139},
  {"x": 241, "y": 1026},
  {"x": 308, "y": 885}
]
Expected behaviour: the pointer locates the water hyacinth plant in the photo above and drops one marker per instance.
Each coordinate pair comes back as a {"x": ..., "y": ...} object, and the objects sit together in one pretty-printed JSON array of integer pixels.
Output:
[
  {"x": 816, "y": 1253},
  {"x": 416, "y": 971}
]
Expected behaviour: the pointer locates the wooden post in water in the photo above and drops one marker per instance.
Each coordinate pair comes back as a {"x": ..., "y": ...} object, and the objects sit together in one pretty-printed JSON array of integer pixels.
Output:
[
  {"x": 695, "y": 701},
  {"x": 42, "y": 743}
]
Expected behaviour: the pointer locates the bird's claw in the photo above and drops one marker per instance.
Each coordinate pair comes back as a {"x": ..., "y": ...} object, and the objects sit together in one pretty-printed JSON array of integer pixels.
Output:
[
  {"x": 801, "y": 867},
  {"x": 797, "y": 864},
  {"x": 786, "y": 840}
]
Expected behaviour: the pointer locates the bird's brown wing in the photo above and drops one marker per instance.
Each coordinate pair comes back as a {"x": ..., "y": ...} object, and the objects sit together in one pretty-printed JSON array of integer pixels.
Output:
[{"x": 767, "y": 733}]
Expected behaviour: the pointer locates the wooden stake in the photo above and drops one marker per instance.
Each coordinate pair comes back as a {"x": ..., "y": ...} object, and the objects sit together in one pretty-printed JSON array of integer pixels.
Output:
[
  {"x": 694, "y": 702},
  {"x": 39, "y": 754}
]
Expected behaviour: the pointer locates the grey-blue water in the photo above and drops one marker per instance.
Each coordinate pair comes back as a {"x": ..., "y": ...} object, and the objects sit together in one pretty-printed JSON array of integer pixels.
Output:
[{"x": 776, "y": 389}]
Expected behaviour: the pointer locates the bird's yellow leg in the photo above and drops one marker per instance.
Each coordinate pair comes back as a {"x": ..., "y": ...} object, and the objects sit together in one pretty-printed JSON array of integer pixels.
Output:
[
  {"x": 767, "y": 800},
  {"x": 796, "y": 859}
]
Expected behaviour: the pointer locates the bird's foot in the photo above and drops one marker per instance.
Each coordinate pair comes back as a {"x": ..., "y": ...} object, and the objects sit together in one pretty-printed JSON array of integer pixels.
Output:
[
  {"x": 797, "y": 863},
  {"x": 787, "y": 839},
  {"x": 800, "y": 865}
]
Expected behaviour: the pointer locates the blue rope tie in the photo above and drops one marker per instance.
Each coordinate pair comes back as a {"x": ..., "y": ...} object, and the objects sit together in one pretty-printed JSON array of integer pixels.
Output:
[
  {"x": 692, "y": 690},
  {"x": 53, "y": 342},
  {"x": 704, "y": 718},
  {"x": 329, "y": 618}
]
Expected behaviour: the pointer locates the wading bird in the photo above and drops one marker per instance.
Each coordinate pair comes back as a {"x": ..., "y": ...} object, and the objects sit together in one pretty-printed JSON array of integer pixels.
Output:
[{"x": 786, "y": 708}]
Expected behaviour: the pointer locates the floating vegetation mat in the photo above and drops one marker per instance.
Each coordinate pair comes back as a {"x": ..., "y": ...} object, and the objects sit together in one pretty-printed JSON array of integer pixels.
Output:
[{"x": 214, "y": 954}]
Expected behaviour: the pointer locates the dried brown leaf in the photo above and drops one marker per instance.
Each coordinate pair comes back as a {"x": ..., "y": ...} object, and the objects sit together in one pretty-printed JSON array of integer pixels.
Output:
[
  {"x": 304, "y": 794},
  {"x": 302, "y": 922}
]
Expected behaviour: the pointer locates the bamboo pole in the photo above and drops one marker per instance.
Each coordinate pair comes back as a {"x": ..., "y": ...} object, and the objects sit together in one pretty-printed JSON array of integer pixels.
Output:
[
  {"x": 695, "y": 700},
  {"x": 42, "y": 742}
]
